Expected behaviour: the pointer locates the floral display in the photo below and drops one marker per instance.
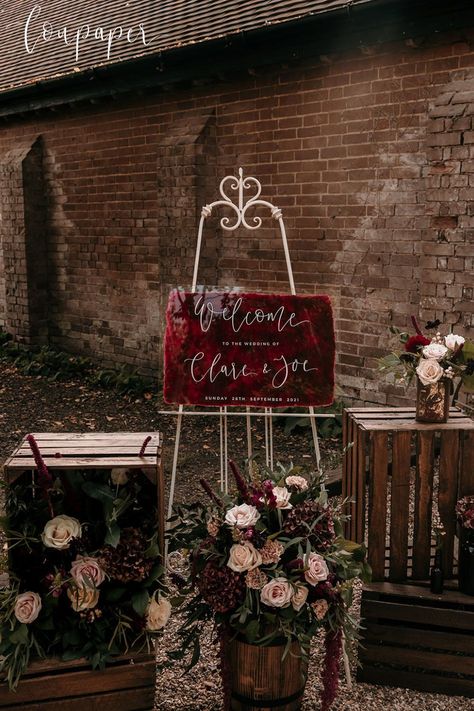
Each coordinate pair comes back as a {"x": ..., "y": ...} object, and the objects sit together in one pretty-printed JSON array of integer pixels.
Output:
[
  {"x": 269, "y": 564},
  {"x": 431, "y": 358},
  {"x": 465, "y": 512},
  {"x": 84, "y": 567}
]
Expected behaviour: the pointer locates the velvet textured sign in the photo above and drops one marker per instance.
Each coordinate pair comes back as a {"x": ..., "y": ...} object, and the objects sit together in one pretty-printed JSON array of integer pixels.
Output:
[{"x": 234, "y": 348}]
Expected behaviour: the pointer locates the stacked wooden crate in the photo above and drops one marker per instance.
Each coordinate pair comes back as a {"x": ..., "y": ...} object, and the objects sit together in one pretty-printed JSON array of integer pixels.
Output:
[
  {"x": 128, "y": 683},
  {"x": 411, "y": 638}
]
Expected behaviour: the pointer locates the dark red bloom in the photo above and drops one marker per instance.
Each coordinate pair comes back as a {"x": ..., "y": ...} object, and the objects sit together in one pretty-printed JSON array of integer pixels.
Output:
[
  {"x": 414, "y": 343},
  {"x": 241, "y": 483},
  {"x": 221, "y": 587},
  {"x": 270, "y": 496},
  {"x": 207, "y": 488},
  {"x": 330, "y": 674}
]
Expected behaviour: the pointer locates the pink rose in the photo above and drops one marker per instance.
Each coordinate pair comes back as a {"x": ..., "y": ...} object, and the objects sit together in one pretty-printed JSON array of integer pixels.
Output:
[
  {"x": 86, "y": 572},
  {"x": 277, "y": 593},
  {"x": 244, "y": 556},
  {"x": 27, "y": 607},
  {"x": 282, "y": 497},
  {"x": 317, "y": 570}
]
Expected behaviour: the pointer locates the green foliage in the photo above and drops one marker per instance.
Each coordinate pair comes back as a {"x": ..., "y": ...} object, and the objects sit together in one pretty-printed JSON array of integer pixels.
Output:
[
  {"x": 328, "y": 427},
  {"x": 58, "y": 365}
]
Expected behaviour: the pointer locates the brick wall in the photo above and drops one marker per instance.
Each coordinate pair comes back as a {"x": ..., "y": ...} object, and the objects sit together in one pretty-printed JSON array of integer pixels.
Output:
[
  {"x": 344, "y": 145},
  {"x": 24, "y": 246}
]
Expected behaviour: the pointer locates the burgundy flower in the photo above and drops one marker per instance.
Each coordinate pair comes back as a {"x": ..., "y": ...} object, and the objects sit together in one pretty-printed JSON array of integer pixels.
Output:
[
  {"x": 221, "y": 587},
  {"x": 330, "y": 674},
  {"x": 241, "y": 483},
  {"x": 414, "y": 343},
  {"x": 269, "y": 495}
]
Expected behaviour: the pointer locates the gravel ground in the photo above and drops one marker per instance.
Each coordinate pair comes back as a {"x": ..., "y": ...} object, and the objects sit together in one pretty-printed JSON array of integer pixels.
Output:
[{"x": 36, "y": 404}]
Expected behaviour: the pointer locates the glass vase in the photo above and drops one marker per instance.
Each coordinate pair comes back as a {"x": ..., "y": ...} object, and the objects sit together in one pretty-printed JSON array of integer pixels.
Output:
[{"x": 432, "y": 401}]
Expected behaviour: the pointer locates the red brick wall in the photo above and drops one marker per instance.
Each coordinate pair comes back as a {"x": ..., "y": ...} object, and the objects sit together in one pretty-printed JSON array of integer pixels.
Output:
[{"x": 344, "y": 146}]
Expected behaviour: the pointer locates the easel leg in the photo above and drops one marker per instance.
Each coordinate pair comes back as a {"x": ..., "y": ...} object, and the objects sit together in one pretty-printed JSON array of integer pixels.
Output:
[
  {"x": 314, "y": 430},
  {"x": 226, "y": 455},
  {"x": 249, "y": 435},
  {"x": 270, "y": 435},
  {"x": 221, "y": 441},
  {"x": 267, "y": 438},
  {"x": 175, "y": 459}
]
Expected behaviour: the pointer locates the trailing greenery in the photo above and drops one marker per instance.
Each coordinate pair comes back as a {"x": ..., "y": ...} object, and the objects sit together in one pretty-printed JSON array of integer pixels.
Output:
[{"x": 58, "y": 365}]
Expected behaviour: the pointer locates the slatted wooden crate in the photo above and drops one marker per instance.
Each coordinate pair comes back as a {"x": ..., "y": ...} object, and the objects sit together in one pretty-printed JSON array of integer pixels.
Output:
[
  {"x": 386, "y": 443},
  {"x": 128, "y": 683},
  {"x": 413, "y": 639}
]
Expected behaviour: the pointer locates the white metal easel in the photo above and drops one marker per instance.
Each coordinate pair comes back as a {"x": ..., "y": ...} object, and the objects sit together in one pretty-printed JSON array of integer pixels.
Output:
[{"x": 241, "y": 185}]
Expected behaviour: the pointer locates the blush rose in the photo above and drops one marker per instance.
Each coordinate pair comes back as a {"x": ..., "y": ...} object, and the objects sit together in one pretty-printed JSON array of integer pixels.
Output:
[
  {"x": 435, "y": 351},
  {"x": 429, "y": 371},
  {"x": 242, "y": 516},
  {"x": 158, "y": 614},
  {"x": 86, "y": 572},
  {"x": 27, "y": 607},
  {"x": 277, "y": 593},
  {"x": 282, "y": 497},
  {"x": 59, "y": 532},
  {"x": 317, "y": 569},
  {"x": 244, "y": 556}
]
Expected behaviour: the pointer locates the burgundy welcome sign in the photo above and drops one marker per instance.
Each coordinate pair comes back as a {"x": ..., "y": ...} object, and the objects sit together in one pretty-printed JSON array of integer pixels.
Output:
[{"x": 230, "y": 348}]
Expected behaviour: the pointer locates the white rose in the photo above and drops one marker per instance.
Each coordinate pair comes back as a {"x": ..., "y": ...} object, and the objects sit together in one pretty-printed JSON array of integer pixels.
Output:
[
  {"x": 317, "y": 570},
  {"x": 282, "y": 496},
  {"x": 277, "y": 593},
  {"x": 83, "y": 598},
  {"x": 157, "y": 614},
  {"x": 429, "y": 371},
  {"x": 27, "y": 607},
  {"x": 59, "y": 532},
  {"x": 298, "y": 482},
  {"x": 452, "y": 341},
  {"x": 119, "y": 476},
  {"x": 244, "y": 556},
  {"x": 299, "y": 596},
  {"x": 242, "y": 516},
  {"x": 86, "y": 572},
  {"x": 434, "y": 351}
]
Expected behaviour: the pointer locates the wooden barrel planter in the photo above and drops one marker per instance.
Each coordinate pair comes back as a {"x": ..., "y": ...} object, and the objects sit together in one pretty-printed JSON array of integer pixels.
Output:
[{"x": 261, "y": 680}]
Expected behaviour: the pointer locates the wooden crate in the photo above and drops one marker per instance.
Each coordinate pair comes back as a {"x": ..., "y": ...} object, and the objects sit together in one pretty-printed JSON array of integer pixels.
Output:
[
  {"x": 127, "y": 684},
  {"x": 413, "y": 639},
  {"x": 394, "y": 452},
  {"x": 95, "y": 450}
]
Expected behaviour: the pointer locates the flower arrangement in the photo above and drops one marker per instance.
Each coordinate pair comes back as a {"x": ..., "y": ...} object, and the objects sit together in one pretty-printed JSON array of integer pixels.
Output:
[
  {"x": 465, "y": 512},
  {"x": 84, "y": 567},
  {"x": 431, "y": 358},
  {"x": 269, "y": 564}
]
